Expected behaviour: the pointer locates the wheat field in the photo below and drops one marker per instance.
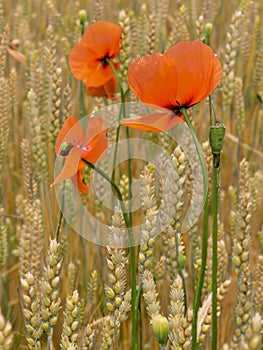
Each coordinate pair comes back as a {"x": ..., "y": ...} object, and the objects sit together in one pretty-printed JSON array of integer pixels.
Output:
[{"x": 61, "y": 291}]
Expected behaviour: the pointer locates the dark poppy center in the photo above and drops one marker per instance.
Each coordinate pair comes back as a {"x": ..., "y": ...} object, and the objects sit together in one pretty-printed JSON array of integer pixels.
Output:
[
  {"x": 104, "y": 60},
  {"x": 174, "y": 108}
]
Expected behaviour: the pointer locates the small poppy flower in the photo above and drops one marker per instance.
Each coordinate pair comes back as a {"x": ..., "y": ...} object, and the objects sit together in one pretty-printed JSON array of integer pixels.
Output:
[
  {"x": 73, "y": 145},
  {"x": 185, "y": 75},
  {"x": 88, "y": 59}
]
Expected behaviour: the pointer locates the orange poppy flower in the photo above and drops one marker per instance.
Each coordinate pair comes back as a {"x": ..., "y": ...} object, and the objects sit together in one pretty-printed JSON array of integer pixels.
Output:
[
  {"x": 87, "y": 60},
  {"x": 73, "y": 145},
  {"x": 185, "y": 75}
]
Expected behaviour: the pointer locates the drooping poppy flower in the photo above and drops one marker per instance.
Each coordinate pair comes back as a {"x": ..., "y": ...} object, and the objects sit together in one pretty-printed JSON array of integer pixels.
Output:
[
  {"x": 182, "y": 77},
  {"x": 73, "y": 145},
  {"x": 88, "y": 58}
]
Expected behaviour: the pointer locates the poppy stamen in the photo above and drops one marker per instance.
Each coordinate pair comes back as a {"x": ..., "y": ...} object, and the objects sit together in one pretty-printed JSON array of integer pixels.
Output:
[{"x": 65, "y": 148}]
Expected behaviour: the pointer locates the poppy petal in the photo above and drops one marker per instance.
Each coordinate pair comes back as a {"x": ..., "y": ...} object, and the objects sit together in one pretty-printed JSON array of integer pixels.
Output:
[
  {"x": 153, "y": 79},
  {"x": 97, "y": 150},
  {"x": 199, "y": 71},
  {"x": 108, "y": 89},
  {"x": 70, "y": 166},
  {"x": 71, "y": 132},
  {"x": 77, "y": 180},
  {"x": 101, "y": 39},
  {"x": 104, "y": 38},
  {"x": 153, "y": 122},
  {"x": 99, "y": 76},
  {"x": 95, "y": 139},
  {"x": 94, "y": 128},
  {"x": 79, "y": 63}
]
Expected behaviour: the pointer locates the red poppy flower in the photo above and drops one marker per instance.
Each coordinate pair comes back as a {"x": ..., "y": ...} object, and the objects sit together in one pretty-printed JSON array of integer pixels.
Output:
[
  {"x": 186, "y": 74},
  {"x": 73, "y": 145},
  {"x": 88, "y": 59}
]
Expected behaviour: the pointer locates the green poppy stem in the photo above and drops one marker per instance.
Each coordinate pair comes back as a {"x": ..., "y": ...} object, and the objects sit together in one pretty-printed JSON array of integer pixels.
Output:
[
  {"x": 117, "y": 191},
  {"x": 135, "y": 295},
  {"x": 201, "y": 276},
  {"x": 117, "y": 78},
  {"x": 82, "y": 107},
  {"x": 215, "y": 192},
  {"x": 216, "y": 137},
  {"x": 122, "y": 111},
  {"x": 128, "y": 224},
  {"x": 198, "y": 148},
  {"x": 198, "y": 293}
]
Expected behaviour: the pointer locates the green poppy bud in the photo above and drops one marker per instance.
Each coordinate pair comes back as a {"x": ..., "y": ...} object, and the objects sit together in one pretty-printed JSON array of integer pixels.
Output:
[
  {"x": 216, "y": 137},
  {"x": 160, "y": 329}
]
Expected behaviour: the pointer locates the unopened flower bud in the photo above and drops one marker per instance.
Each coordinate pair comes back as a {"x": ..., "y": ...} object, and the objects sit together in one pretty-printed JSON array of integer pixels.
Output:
[
  {"x": 208, "y": 29},
  {"x": 160, "y": 329},
  {"x": 216, "y": 137},
  {"x": 82, "y": 16}
]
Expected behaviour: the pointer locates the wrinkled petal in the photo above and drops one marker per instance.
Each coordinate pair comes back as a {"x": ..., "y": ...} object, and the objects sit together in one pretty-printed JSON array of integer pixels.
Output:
[
  {"x": 77, "y": 180},
  {"x": 199, "y": 71},
  {"x": 153, "y": 122},
  {"x": 71, "y": 132},
  {"x": 70, "y": 166},
  {"x": 153, "y": 79}
]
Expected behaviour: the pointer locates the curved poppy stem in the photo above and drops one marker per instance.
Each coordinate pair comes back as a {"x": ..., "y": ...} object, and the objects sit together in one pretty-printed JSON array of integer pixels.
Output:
[
  {"x": 128, "y": 224},
  {"x": 122, "y": 110},
  {"x": 116, "y": 188},
  {"x": 198, "y": 292},
  {"x": 198, "y": 148}
]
